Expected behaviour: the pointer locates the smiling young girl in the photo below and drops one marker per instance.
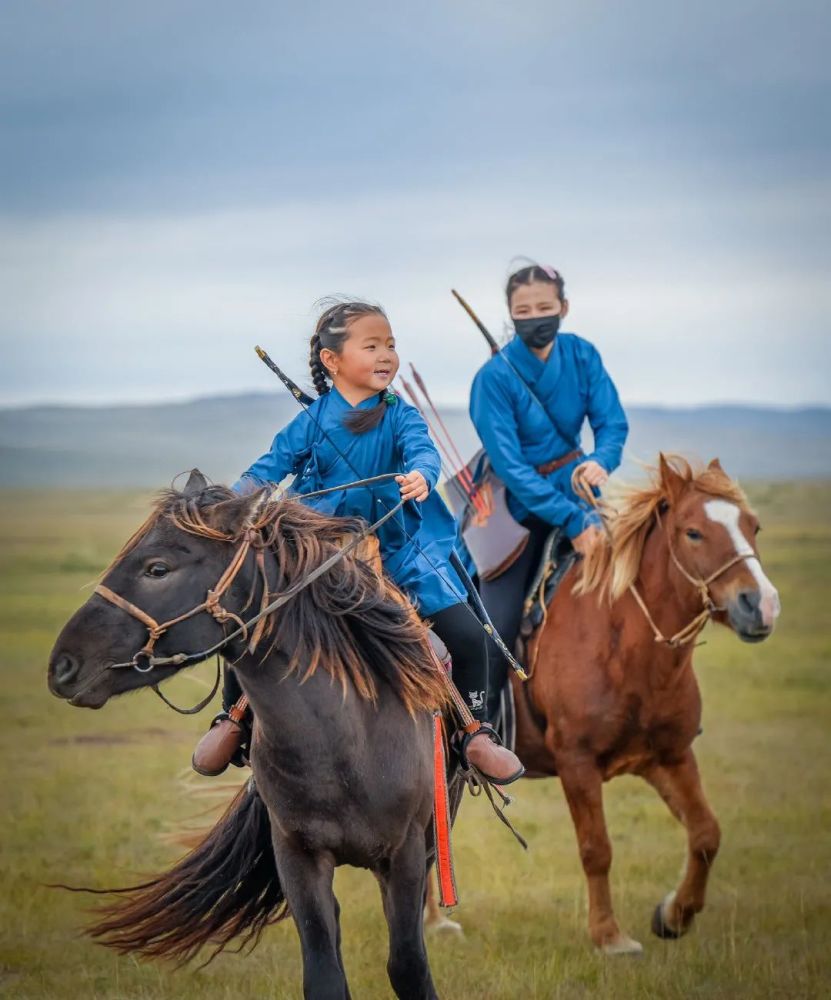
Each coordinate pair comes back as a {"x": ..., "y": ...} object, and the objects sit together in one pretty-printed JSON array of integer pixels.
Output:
[{"x": 356, "y": 429}]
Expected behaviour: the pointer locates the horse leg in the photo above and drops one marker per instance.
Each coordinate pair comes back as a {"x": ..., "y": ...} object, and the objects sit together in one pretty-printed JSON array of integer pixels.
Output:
[
  {"x": 338, "y": 948},
  {"x": 679, "y": 785},
  {"x": 583, "y": 787},
  {"x": 307, "y": 881},
  {"x": 402, "y": 889},
  {"x": 436, "y": 922}
]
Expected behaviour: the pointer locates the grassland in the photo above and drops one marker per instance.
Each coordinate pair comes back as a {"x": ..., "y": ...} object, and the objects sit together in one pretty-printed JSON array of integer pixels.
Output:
[{"x": 90, "y": 797}]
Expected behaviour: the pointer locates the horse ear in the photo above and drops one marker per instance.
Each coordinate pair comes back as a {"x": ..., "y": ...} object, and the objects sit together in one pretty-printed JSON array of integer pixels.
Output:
[
  {"x": 715, "y": 465},
  {"x": 196, "y": 483},
  {"x": 231, "y": 516},
  {"x": 671, "y": 481}
]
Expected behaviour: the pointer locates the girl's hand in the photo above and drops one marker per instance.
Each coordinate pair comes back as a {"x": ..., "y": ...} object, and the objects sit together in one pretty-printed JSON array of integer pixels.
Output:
[
  {"x": 587, "y": 539},
  {"x": 592, "y": 473},
  {"x": 413, "y": 486}
]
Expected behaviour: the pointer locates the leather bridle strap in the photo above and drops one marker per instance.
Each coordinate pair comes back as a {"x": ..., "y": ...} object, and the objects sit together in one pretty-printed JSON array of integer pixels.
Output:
[
  {"x": 690, "y": 631},
  {"x": 266, "y": 608},
  {"x": 211, "y": 605}
]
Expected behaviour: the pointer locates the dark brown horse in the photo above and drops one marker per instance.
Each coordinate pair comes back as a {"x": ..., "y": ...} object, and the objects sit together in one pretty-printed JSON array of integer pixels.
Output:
[
  {"x": 614, "y": 691},
  {"x": 342, "y": 684}
]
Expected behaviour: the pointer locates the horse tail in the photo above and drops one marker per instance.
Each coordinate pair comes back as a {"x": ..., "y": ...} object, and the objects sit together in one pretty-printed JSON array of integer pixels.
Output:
[{"x": 226, "y": 887}]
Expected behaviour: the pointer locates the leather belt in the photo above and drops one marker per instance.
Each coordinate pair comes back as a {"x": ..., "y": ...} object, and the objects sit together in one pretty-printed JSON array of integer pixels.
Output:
[{"x": 558, "y": 463}]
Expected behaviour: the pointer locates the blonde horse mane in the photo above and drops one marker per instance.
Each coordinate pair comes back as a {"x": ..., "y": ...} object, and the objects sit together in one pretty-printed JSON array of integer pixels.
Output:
[{"x": 611, "y": 568}]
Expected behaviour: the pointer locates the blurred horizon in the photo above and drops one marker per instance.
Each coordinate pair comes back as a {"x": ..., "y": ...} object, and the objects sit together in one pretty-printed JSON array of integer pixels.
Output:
[
  {"x": 149, "y": 445},
  {"x": 180, "y": 181}
]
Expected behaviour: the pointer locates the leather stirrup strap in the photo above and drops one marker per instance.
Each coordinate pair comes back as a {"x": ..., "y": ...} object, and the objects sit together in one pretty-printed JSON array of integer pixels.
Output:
[{"x": 445, "y": 875}]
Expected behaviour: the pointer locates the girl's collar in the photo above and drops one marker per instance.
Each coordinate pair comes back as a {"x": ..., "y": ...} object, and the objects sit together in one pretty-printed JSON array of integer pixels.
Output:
[
  {"x": 365, "y": 404},
  {"x": 528, "y": 363}
]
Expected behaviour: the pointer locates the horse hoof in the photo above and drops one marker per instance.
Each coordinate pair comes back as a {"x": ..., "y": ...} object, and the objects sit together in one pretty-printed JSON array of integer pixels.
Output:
[
  {"x": 445, "y": 927},
  {"x": 660, "y": 928},
  {"x": 622, "y": 945}
]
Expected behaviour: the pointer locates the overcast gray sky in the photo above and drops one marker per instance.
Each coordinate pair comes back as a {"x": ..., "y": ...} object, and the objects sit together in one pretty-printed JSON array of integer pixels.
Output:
[{"x": 182, "y": 180}]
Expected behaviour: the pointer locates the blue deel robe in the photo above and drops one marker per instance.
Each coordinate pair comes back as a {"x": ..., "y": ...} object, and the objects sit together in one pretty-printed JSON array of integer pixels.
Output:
[
  {"x": 400, "y": 443},
  {"x": 572, "y": 384}
]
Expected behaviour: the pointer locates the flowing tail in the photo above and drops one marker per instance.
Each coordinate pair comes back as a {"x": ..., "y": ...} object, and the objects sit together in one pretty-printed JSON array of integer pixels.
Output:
[{"x": 226, "y": 887}]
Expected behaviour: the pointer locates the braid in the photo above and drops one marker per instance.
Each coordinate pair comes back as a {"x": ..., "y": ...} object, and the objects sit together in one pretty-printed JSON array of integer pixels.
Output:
[{"x": 316, "y": 366}]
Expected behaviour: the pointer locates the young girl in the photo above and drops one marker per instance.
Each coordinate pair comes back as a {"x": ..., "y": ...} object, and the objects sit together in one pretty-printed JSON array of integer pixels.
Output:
[
  {"x": 535, "y": 449},
  {"x": 356, "y": 429}
]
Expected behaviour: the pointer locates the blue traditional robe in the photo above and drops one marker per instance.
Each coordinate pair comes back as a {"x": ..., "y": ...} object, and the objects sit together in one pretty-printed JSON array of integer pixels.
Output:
[
  {"x": 572, "y": 384},
  {"x": 400, "y": 443}
]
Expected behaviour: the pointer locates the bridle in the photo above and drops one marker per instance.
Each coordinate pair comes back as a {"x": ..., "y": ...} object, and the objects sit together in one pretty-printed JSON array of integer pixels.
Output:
[
  {"x": 702, "y": 584},
  {"x": 211, "y": 605},
  {"x": 251, "y": 539}
]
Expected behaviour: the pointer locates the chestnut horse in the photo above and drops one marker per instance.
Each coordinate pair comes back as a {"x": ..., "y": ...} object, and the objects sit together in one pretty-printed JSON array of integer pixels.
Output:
[{"x": 613, "y": 690}]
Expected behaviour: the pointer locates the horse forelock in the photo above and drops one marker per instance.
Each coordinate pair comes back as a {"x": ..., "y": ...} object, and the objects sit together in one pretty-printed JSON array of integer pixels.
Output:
[
  {"x": 352, "y": 621},
  {"x": 613, "y": 566}
]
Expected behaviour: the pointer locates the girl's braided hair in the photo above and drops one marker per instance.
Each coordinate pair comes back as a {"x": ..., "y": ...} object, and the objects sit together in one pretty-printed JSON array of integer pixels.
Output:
[{"x": 331, "y": 331}]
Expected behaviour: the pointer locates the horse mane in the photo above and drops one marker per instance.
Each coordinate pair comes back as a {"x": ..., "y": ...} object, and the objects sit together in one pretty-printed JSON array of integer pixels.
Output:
[
  {"x": 612, "y": 567},
  {"x": 352, "y": 621}
]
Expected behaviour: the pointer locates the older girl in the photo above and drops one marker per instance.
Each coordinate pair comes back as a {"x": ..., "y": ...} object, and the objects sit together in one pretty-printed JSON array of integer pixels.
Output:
[{"x": 528, "y": 404}]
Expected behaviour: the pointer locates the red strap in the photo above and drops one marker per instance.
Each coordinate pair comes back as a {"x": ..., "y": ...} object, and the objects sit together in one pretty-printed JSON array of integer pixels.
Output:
[{"x": 441, "y": 819}]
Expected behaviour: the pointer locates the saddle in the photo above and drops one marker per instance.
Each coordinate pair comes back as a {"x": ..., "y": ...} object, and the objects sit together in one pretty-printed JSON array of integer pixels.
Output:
[{"x": 556, "y": 560}]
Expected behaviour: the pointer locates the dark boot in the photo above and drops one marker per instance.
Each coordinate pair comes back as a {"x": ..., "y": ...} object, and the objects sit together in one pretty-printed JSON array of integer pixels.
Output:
[
  {"x": 481, "y": 749},
  {"x": 223, "y": 743}
]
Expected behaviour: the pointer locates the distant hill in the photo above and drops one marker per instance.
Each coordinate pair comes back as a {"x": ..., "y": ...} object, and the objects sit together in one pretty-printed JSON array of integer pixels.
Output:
[{"x": 146, "y": 446}]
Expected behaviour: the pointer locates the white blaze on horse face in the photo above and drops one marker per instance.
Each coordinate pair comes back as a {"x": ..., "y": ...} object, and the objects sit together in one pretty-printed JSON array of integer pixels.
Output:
[{"x": 727, "y": 514}]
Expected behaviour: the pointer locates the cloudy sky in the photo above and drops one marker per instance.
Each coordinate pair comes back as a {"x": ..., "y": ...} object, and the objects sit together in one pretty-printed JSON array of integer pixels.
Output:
[{"x": 182, "y": 180}]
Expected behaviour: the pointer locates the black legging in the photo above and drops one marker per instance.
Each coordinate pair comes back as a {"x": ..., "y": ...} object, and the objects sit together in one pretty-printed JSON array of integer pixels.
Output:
[
  {"x": 466, "y": 642},
  {"x": 503, "y": 599}
]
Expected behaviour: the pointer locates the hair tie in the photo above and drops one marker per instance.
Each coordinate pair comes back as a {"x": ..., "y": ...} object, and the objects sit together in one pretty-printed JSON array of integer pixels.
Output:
[
  {"x": 389, "y": 397},
  {"x": 552, "y": 272}
]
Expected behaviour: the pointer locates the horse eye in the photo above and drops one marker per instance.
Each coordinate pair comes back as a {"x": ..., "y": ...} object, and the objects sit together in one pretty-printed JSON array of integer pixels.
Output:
[
  {"x": 157, "y": 570},
  {"x": 693, "y": 535}
]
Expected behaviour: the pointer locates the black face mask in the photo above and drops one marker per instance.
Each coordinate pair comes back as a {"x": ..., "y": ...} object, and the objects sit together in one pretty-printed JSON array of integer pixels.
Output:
[{"x": 538, "y": 332}]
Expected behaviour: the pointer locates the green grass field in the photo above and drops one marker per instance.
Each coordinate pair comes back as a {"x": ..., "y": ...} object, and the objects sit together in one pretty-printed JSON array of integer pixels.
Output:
[{"x": 91, "y": 798}]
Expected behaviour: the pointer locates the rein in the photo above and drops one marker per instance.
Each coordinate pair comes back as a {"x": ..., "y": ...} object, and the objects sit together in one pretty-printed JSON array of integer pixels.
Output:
[
  {"x": 702, "y": 584},
  {"x": 211, "y": 605}
]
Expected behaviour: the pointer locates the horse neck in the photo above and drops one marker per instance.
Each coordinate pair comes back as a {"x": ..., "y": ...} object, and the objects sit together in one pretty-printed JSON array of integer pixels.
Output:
[{"x": 305, "y": 724}]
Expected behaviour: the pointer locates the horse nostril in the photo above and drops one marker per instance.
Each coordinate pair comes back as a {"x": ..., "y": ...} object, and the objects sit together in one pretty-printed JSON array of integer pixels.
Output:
[
  {"x": 749, "y": 601},
  {"x": 65, "y": 669}
]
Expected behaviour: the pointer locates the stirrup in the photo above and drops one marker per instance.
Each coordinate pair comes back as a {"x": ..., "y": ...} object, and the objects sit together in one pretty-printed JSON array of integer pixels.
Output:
[{"x": 486, "y": 729}]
